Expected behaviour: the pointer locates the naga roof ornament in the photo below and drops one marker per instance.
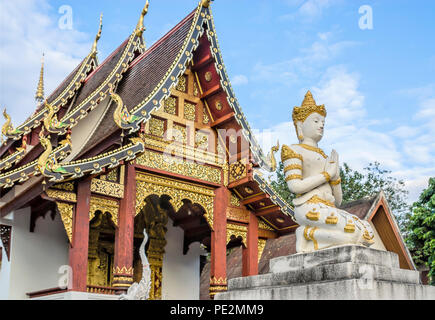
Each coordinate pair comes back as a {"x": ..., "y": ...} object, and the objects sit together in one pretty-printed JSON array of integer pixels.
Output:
[
  {"x": 121, "y": 115},
  {"x": 7, "y": 128},
  {"x": 94, "y": 50},
  {"x": 205, "y": 3},
  {"x": 140, "y": 27}
]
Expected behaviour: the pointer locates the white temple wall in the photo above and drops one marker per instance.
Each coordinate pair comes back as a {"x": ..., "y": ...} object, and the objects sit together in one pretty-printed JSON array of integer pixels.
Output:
[
  {"x": 5, "y": 268},
  {"x": 36, "y": 257},
  {"x": 181, "y": 276}
]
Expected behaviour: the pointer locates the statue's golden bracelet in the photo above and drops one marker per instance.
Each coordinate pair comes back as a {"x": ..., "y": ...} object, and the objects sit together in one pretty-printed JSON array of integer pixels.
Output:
[{"x": 336, "y": 182}]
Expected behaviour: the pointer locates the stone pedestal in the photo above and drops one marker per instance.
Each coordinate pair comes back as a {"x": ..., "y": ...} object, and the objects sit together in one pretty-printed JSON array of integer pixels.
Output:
[{"x": 340, "y": 273}]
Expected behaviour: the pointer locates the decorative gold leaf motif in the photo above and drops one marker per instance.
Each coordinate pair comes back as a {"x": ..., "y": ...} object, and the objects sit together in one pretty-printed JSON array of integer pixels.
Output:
[
  {"x": 147, "y": 185},
  {"x": 174, "y": 165},
  {"x": 170, "y": 106},
  {"x": 182, "y": 84},
  {"x": 237, "y": 231},
  {"x": 157, "y": 127},
  {"x": 66, "y": 212},
  {"x": 189, "y": 111},
  {"x": 108, "y": 188}
]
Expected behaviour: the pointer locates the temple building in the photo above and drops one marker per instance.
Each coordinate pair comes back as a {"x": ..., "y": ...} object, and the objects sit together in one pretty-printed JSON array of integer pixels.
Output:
[{"x": 151, "y": 138}]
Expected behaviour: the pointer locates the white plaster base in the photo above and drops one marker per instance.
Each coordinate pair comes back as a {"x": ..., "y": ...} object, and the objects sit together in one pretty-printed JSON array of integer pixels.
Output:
[
  {"x": 340, "y": 273},
  {"x": 73, "y": 295}
]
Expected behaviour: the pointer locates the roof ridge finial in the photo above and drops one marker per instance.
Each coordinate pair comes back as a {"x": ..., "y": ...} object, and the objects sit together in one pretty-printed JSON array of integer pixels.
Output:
[
  {"x": 98, "y": 36},
  {"x": 206, "y": 3},
  {"x": 40, "y": 90},
  {"x": 140, "y": 27}
]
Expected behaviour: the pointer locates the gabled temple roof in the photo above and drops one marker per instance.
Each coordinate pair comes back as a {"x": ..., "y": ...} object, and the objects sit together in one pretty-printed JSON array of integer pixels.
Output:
[{"x": 143, "y": 79}]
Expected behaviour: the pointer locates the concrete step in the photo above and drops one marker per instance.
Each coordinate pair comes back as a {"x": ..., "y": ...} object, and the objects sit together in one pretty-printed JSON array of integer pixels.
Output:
[
  {"x": 341, "y": 254},
  {"x": 331, "y": 272},
  {"x": 336, "y": 290}
]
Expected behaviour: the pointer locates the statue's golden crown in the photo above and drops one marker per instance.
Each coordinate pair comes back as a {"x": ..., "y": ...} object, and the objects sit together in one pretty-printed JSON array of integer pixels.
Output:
[{"x": 308, "y": 107}]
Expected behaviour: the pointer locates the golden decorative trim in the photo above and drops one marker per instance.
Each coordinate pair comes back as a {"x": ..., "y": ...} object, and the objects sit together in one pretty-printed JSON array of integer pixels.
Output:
[
  {"x": 287, "y": 153},
  {"x": 104, "y": 205},
  {"x": 307, "y": 108},
  {"x": 123, "y": 270},
  {"x": 336, "y": 182},
  {"x": 67, "y": 186},
  {"x": 316, "y": 199},
  {"x": 182, "y": 84},
  {"x": 316, "y": 245},
  {"x": 170, "y": 105},
  {"x": 314, "y": 149},
  {"x": 349, "y": 228},
  {"x": 313, "y": 216},
  {"x": 234, "y": 200},
  {"x": 175, "y": 165},
  {"x": 66, "y": 212},
  {"x": 327, "y": 176},
  {"x": 237, "y": 231},
  {"x": 157, "y": 127},
  {"x": 238, "y": 214},
  {"x": 261, "y": 246},
  {"x": 184, "y": 151},
  {"x": 292, "y": 167},
  {"x": 178, "y": 191},
  {"x": 264, "y": 226},
  {"x": 62, "y": 195},
  {"x": 189, "y": 111},
  {"x": 306, "y": 233},
  {"x": 218, "y": 281},
  {"x": 332, "y": 219},
  {"x": 107, "y": 188},
  {"x": 293, "y": 177},
  {"x": 238, "y": 170}
]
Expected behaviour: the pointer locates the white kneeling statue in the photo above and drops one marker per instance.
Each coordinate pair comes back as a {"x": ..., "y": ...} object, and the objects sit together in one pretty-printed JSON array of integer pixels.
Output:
[{"x": 315, "y": 179}]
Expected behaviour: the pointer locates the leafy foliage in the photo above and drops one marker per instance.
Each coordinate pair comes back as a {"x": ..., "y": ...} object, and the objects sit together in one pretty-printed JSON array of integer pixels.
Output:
[
  {"x": 421, "y": 227},
  {"x": 358, "y": 185}
]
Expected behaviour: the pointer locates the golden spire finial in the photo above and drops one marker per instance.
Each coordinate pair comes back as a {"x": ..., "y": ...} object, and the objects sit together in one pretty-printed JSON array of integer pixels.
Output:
[
  {"x": 205, "y": 3},
  {"x": 308, "y": 107},
  {"x": 40, "y": 90},
  {"x": 140, "y": 27},
  {"x": 98, "y": 36}
]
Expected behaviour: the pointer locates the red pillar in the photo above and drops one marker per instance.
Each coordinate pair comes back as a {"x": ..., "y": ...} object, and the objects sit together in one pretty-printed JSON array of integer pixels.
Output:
[
  {"x": 78, "y": 253},
  {"x": 250, "y": 254},
  {"x": 124, "y": 236},
  {"x": 218, "y": 264}
]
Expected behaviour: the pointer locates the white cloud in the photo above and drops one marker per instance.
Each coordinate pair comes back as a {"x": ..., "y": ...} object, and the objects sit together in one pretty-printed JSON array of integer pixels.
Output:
[
  {"x": 308, "y": 9},
  {"x": 407, "y": 151},
  {"x": 239, "y": 80},
  {"x": 304, "y": 65},
  {"x": 27, "y": 29},
  {"x": 338, "y": 90}
]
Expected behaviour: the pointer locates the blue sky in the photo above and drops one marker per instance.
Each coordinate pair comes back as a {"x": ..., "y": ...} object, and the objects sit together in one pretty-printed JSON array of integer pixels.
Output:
[{"x": 377, "y": 85}]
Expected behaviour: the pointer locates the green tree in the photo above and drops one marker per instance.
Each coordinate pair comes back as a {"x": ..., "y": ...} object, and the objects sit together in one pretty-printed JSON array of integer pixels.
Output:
[
  {"x": 357, "y": 185},
  {"x": 421, "y": 227}
]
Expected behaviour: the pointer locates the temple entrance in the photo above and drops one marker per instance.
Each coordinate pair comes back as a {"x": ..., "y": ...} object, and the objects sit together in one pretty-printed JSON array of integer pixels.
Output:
[
  {"x": 101, "y": 252},
  {"x": 168, "y": 252}
]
